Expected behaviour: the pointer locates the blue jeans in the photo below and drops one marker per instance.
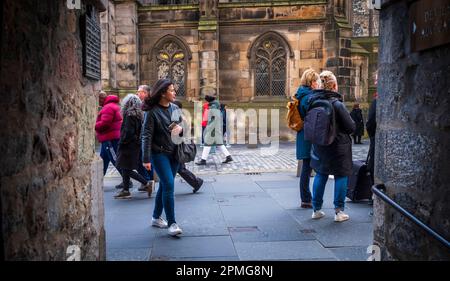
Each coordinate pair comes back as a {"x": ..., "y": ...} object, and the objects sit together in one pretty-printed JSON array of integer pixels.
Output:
[
  {"x": 108, "y": 153},
  {"x": 340, "y": 190},
  {"x": 166, "y": 167},
  {"x": 305, "y": 193}
]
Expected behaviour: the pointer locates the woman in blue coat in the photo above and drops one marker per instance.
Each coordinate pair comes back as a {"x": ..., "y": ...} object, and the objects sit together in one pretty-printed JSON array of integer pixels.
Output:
[{"x": 310, "y": 80}]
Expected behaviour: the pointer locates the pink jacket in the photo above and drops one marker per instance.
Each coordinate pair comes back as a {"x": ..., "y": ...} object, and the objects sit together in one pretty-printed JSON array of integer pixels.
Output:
[{"x": 109, "y": 120}]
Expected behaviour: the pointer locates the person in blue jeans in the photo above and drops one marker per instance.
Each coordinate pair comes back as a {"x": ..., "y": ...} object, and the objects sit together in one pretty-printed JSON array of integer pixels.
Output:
[
  {"x": 161, "y": 126},
  {"x": 336, "y": 158},
  {"x": 310, "y": 80}
]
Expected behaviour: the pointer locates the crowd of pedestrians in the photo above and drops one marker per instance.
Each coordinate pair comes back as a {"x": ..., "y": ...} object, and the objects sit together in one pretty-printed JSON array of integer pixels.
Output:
[{"x": 137, "y": 137}]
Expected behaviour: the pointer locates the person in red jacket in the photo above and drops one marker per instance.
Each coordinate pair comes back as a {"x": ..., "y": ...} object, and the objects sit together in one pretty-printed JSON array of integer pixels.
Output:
[{"x": 107, "y": 130}]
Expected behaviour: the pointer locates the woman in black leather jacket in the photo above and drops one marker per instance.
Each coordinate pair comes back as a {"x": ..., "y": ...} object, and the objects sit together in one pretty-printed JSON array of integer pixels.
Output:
[{"x": 160, "y": 124}]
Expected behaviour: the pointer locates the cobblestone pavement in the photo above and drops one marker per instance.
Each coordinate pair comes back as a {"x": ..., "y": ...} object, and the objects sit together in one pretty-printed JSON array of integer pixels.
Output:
[{"x": 254, "y": 160}]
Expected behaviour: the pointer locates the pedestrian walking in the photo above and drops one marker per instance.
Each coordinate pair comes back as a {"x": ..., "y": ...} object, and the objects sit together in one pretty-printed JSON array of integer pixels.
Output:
[
  {"x": 336, "y": 158},
  {"x": 187, "y": 175},
  {"x": 107, "y": 129},
  {"x": 213, "y": 132},
  {"x": 204, "y": 121},
  {"x": 357, "y": 117},
  {"x": 309, "y": 81},
  {"x": 129, "y": 148},
  {"x": 161, "y": 122},
  {"x": 142, "y": 92}
]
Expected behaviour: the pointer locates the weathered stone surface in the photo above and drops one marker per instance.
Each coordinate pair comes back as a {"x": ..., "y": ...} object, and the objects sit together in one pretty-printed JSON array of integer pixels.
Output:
[
  {"x": 51, "y": 194},
  {"x": 412, "y": 141}
]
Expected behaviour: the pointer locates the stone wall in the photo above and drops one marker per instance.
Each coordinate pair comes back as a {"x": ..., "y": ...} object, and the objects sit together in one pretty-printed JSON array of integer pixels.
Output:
[
  {"x": 236, "y": 62},
  {"x": 50, "y": 178},
  {"x": 412, "y": 142},
  {"x": 108, "y": 31}
]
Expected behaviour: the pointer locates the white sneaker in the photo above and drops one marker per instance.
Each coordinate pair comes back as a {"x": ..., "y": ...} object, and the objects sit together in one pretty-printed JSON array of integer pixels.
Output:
[
  {"x": 160, "y": 222},
  {"x": 174, "y": 229},
  {"x": 341, "y": 216},
  {"x": 317, "y": 215}
]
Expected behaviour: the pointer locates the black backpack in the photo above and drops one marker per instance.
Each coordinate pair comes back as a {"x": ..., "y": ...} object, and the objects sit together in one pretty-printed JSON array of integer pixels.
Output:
[{"x": 320, "y": 122}]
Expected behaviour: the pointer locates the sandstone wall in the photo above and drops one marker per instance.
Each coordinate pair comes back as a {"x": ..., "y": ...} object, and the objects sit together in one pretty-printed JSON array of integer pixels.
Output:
[{"x": 51, "y": 180}]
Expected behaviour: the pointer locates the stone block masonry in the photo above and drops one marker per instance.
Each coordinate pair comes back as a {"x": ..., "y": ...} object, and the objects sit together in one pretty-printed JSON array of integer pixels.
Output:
[{"x": 50, "y": 178}]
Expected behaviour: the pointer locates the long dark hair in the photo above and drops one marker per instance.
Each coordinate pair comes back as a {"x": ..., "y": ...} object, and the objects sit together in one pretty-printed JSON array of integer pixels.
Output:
[{"x": 160, "y": 87}]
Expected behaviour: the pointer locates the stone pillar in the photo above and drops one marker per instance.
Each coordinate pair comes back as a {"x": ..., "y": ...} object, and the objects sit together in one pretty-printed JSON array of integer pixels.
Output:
[
  {"x": 50, "y": 178},
  {"x": 413, "y": 136},
  {"x": 208, "y": 47},
  {"x": 108, "y": 31},
  {"x": 126, "y": 46},
  {"x": 338, "y": 35}
]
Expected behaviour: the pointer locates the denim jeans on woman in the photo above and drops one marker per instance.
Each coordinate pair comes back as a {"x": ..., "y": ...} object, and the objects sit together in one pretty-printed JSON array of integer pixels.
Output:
[
  {"x": 340, "y": 191},
  {"x": 108, "y": 153},
  {"x": 166, "y": 167},
  {"x": 305, "y": 194}
]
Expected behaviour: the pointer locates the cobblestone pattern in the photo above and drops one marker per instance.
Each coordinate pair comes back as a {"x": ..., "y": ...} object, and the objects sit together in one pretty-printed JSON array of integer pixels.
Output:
[{"x": 253, "y": 160}]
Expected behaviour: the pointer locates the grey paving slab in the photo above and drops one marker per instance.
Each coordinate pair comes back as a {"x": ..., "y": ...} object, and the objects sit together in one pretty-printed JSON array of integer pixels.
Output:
[
  {"x": 243, "y": 198},
  {"x": 129, "y": 241},
  {"x": 141, "y": 254},
  {"x": 282, "y": 250},
  {"x": 236, "y": 187},
  {"x": 283, "y": 231},
  {"x": 166, "y": 247},
  {"x": 288, "y": 198},
  {"x": 350, "y": 253},
  {"x": 272, "y": 184},
  {"x": 200, "y": 219},
  {"x": 252, "y": 214},
  {"x": 345, "y": 234}
]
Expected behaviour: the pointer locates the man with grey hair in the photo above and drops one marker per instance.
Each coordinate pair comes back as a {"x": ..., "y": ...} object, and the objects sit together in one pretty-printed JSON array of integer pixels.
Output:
[{"x": 143, "y": 91}]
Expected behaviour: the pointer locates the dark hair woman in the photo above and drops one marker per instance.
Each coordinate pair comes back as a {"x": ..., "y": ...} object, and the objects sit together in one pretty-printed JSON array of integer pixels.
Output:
[{"x": 160, "y": 124}]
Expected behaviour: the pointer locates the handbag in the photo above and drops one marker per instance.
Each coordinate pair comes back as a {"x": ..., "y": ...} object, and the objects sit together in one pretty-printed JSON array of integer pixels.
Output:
[{"x": 185, "y": 151}]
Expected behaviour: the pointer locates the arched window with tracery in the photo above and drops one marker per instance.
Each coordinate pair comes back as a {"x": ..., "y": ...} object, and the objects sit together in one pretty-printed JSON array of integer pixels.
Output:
[
  {"x": 171, "y": 57},
  {"x": 269, "y": 59}
]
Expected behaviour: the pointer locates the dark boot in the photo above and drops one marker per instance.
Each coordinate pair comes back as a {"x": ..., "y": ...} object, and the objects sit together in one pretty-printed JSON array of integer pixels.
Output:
[
  {"x": 228, "y": 159},
  {"x": 201, "y": 162},
  {"x": 199, "y": 184},
  {"x": 120, "y": 186}
]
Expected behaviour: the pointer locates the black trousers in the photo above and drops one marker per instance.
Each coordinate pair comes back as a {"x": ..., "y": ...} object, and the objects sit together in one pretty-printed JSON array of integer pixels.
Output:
[
  {"x": 356, "y": 139},
  {"x": 127, "y": 174},
  {"x": 188, "y": 176}
]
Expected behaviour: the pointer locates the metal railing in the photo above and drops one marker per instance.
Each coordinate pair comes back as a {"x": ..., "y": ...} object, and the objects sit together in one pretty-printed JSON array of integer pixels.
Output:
[{"x": 379, "y": 190}]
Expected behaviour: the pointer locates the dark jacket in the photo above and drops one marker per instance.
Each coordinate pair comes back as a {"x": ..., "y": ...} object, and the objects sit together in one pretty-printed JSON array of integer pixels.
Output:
[
  {"x": 357, "y": 117},
  {"x": 129, "y": 148},
  {"x": 371, "y": 124},
  {"x": 336, "y": 158},
  {"x": 303, "y": 147},
  {"x": 156, "y": 137}
]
